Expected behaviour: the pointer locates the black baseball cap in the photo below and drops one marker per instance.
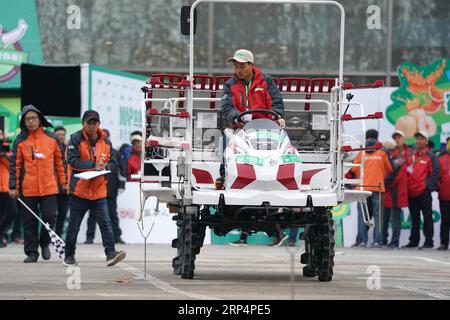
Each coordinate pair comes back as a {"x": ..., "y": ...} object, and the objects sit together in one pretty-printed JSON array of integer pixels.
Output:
[{"x": 91, "y": 115}]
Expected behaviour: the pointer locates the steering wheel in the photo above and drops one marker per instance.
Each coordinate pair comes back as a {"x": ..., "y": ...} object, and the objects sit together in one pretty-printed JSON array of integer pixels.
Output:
[{"x": 239, "y": 117}]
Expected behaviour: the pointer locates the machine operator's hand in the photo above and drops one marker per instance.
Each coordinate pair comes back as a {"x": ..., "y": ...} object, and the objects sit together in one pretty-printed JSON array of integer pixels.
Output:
[
  {"x": 281, "y": 122},
  {"x": 238, "y": 124},
  {"x": 13, "y": 193}
]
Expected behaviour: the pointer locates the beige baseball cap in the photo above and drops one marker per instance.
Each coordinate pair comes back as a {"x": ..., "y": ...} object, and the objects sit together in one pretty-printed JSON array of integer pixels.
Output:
[
  {"x": 390, "y": 144},
  {"x": 422, "y": 133},
  {"x": 136, "y": 137},
  {"x": 399, "y": 132},
  {"x": 242, "y": 55}
]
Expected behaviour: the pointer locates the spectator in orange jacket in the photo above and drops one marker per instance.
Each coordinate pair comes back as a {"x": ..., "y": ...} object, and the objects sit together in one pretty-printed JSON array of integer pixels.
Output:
[
  {"x": 90, "y": 150},
  {"x": 8, "y": 207},
  {"x": 444, "y": 196},
  {"x": 36, "y": 169},
  {"x": 376, "y": 167},
  {"x": 423, "y": 178}
]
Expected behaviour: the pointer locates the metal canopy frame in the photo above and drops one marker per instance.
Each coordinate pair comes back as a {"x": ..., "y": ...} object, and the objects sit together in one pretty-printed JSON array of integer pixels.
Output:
[{"x": 190, "y": 89}]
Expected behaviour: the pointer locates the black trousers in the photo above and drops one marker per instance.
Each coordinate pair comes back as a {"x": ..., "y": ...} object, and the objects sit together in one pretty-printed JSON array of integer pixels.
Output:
[
  {"x": 17, "y": 230},
  {"x": 444, "y": 205},
  {"x": 112, "y": 208},
  {"x": 416, "y": 205},
  {"x": 8, "y": 212},
  {"x": 63, "y": 206},
  {"x": 45, "y": 207}
]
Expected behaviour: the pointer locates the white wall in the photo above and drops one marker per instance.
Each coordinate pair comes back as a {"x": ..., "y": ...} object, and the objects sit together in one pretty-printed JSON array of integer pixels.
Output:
[{"x": 164, "y": 229}]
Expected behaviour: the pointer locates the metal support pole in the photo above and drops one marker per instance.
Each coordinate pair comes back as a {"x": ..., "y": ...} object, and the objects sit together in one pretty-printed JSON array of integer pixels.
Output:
[
  {"x": 389, "y": 42},
  {"x": 210, "y": 38}
]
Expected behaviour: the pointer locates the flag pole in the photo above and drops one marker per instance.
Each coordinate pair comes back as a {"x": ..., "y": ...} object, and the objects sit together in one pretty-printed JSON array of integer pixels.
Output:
[
  {"x": 55, "y": 240},
  {"x": 34, "y": 214}
]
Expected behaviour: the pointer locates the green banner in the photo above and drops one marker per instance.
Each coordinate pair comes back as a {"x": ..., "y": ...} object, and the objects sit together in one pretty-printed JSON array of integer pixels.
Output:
[
  {"x": 290, "y": 158},
  {"x": 10, "y": 110},
  {"x": 19, "y": 40},
  {"x": 256, "y": 161},
  {"x": 13, "y": 57},
  {"x": 423, "y": 101}
]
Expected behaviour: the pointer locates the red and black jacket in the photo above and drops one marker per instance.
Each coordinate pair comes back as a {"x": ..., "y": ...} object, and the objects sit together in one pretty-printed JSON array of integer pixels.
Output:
[
  {"x": 444, "y": 180},
  {"x": 4, "y": 174},
  {"x": 262, "y": 94},
  {"x": 424, "y": 173},
  {"x": 134, "y": 165},
  {"x": 396, "y": 195}
]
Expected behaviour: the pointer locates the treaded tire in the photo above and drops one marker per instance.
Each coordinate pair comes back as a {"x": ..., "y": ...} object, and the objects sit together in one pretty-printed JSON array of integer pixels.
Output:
[
  {"x": 325, "y": 256},
  {"x": 187, "y": 255}
]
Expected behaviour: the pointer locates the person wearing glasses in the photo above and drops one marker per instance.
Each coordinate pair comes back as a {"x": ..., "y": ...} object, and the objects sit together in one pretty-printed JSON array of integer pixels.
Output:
[{"x": 36, "y": 169}]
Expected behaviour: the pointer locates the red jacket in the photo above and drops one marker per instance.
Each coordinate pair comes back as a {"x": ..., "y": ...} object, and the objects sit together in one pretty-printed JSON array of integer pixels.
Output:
[
  {"x": 396, "y": 195},
  {"x": 134, "y": 165},
  {"x": 262, "y": 94},
  {"x": 422, "y": 172},
  {"x": 444, "y": 179},
  {"x": 4, "y": 174}
]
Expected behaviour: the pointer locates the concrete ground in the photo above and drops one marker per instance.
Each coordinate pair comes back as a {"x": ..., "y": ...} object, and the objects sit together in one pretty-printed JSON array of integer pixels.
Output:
[{"x": 225, "y": 272}]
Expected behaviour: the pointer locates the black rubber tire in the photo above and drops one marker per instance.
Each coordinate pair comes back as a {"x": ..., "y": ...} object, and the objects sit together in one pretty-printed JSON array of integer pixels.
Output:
[
  {"x": 190, "y": 238},
  {"x": 309, "y": 257},
  {"x": 176, "y": 262},
  {"x": 325, "y": 254},
  {"x": 187, "y": 255}
]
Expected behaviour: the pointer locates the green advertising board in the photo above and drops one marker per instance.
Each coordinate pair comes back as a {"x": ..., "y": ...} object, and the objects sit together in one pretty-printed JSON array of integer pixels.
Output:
[
  {"x": 423, "y": 101},
  {"x": 19, "y": 40},
  {"x": 10, "y": 111}
]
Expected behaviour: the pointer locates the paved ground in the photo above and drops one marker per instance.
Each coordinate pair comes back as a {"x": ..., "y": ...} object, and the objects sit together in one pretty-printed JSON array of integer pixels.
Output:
[{"x": 225, "y": 272}]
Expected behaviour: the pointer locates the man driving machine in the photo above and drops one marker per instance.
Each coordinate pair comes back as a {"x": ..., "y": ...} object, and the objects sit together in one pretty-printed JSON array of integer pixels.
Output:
[{"x": 248, "y": 90}]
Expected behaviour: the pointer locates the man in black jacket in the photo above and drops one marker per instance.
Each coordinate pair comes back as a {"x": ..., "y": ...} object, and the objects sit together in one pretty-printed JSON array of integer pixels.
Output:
[{"x": 116, "y": 184}]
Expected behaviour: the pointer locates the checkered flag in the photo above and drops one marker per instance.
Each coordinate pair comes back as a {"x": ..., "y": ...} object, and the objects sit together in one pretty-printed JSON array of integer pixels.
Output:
[{"x": 57, "y": 242}]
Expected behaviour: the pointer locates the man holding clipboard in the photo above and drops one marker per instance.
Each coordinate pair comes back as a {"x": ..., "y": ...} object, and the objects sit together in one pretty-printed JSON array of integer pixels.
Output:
[{"x": 89, "y": 150}]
